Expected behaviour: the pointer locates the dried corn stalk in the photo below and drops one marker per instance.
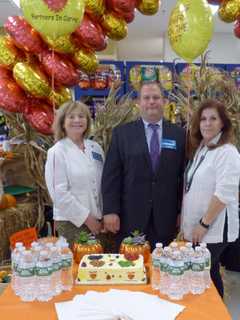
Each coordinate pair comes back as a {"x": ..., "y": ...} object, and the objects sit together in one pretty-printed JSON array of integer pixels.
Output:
[
  {"x": 34, "y": 150},
  {"x": 116, "y": 111},
  {"x": 208, "y": 83}
]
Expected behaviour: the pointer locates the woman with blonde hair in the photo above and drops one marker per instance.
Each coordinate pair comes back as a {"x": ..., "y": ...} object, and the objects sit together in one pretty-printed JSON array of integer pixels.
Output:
[
  {"x": 73, "y": 173},
  {"x": 210, "y": 202}
]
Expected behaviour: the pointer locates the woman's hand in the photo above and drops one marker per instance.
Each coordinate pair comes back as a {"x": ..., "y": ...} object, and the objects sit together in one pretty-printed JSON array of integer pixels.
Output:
[
  {"x": 93, "y": 224},
  {"x": 198, "y": 234}
]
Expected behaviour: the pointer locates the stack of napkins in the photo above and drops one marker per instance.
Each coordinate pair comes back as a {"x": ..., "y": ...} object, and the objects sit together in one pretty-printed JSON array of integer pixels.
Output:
[{"x": 117, "y": 305}]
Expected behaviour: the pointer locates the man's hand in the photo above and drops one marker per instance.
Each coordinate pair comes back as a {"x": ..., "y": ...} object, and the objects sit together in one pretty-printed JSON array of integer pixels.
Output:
[
  {"x": 111, "y": 222},
  {"x": 198, "y": 234},
  {"x": 93, "y": 224}
]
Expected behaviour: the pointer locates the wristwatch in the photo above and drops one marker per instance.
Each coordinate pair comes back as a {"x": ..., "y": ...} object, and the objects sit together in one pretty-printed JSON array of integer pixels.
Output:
[{"x": 204, "y": 225}]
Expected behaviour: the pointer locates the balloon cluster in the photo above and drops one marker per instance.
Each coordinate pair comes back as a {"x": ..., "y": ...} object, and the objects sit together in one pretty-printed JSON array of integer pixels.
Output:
[
  {"x": 45, "y": 51},
  {"x": 229, "y": 11}
]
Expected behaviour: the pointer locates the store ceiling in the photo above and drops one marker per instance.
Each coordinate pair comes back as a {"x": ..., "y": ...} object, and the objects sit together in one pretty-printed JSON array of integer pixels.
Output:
[{"x": 142, "y": 26}]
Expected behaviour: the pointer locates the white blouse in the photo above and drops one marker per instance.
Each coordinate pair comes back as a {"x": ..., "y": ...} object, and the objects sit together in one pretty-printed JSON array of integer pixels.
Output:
[
  {"x": 219, "y": 175},
  {"x": 73, "y": 179}
]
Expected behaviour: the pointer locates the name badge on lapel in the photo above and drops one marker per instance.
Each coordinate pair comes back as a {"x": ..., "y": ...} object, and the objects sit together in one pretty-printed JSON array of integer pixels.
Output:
[
  {"x": 97, "y": 156},
  {"x": 169, "y": 144}
]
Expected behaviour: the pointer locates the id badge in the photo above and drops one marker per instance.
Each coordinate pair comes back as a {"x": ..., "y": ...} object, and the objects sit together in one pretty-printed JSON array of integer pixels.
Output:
[
  {"x": 169, "y": 144},
  {"x": 97, "y": 156}
]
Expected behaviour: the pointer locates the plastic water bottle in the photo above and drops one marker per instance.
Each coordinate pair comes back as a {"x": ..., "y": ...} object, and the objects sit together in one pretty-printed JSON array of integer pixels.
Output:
[
  {"x": 43, "y": 277},
  {"x": 66, "y": 274},
  {"x": 175, "y": 270},
  {"x": 156, "y": 254},
  {"x": 14, "y": 255},
  {"x": 17, "y": 259},
  {"x": 207, "y": 258},
  {"x": 187, "y": 269},
  {"x": 56, "y": 275},
  {"x": 164, "y": 264},
  {"x": 174, "y": 246},
  {"x": 26, "y": 276},
  {"x": 197, "y": 277},
  {"x": 189, "y": 254},
  {"x": 36, "y": 249}
]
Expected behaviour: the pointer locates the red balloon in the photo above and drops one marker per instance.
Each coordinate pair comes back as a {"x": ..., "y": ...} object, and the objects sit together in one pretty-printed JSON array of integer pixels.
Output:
[
  {"x": 40, "y": 117},
  {"x": 5, "y": 73},
  {"x": 128, "y": 16},
  {"x": 237, "y": 28},
  {"x": 12, "y": 97},
  {"x": 60, "y": 68},
  {"x": 121, "y": 6},
  {"x": 23, "y": 35},
  {"x": 90, "y": 35}
]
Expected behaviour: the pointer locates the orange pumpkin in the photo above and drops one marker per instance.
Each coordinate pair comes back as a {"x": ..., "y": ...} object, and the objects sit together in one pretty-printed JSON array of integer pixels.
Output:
[
  {"x": 85, "y": 244},
  {"x": 7, "y": 201},
  {"x": 79, "y": 250},
  {"x": 136, "y": 249},
  {"x": 134, "y": 245}
]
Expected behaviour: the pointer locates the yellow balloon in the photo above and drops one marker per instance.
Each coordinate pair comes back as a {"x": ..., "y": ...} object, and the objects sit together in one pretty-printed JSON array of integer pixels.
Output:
[
  {"x": 61, "y": 44},
  {"x": 87, "y": 61},
  {"x": 95, "y": 8},
  {"x": 229, "y": 11},
  {"x": 31, "y": 79},
  {"x": 58, "y": 97},
  {"x": 9, "y": 54},
  {"x": 116, "y": 28},
  {"x": 148, "y": 7},
  {"x": 190, "y": 28},
  {"x": 53, "y": 18}
]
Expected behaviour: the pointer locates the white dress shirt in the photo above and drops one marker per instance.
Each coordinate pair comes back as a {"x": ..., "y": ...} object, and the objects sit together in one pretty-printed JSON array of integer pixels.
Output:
[
  {"x": 73, "y": 179},
  {"x": 219, "y": 175},
  {"x": 149, "y": 132}
]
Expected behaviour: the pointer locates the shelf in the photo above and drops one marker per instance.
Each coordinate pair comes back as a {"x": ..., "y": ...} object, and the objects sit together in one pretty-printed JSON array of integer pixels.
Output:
[{"x": 101, "y": 92}]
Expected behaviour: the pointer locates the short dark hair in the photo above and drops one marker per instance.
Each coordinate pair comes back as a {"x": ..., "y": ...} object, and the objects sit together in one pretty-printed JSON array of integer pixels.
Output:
[
  {"x": 195, "y": 136},
  {"x": 148, "y": 83}
]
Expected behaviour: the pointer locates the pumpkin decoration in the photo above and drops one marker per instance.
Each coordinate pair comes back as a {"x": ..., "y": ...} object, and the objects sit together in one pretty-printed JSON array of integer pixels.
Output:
[
  {"x": 7, "y": 201},
  {"x": 134, "y": 245},
  {"x": 86, "y": 244},
  {"x": 5, "y": 276}
]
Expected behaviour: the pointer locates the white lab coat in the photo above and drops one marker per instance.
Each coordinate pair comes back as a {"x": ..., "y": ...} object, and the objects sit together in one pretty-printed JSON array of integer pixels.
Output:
[
  {"x": 218, "y": 175},
  {"x": 73, "y": 179}
]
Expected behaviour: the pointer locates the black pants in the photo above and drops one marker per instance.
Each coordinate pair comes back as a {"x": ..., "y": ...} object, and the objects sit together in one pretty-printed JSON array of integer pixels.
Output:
[
  {"x": 152, "y": 237},
  {"x": 217, "y": 249}
]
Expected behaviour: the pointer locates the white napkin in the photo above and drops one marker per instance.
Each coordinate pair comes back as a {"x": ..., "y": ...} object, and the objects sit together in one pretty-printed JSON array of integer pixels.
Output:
[
  {"x": 117, "y": 305},
  {"x": 82, "y": 311}
]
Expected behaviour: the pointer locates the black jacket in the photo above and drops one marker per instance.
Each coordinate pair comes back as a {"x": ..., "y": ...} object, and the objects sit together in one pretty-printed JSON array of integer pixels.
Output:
[{"x": 131, "y": 189}]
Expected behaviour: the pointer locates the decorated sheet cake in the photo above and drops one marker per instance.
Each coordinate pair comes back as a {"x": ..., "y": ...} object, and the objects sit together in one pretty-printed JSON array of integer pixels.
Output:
[{"x": 111, "y": 269}]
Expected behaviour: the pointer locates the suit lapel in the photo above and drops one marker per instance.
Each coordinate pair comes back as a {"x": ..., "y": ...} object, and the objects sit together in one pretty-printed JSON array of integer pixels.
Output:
[{"x": 142, "y": 142}]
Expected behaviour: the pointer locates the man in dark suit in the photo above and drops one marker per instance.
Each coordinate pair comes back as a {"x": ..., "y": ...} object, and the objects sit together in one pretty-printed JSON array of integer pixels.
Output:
[{"x": 142, "y": 176}]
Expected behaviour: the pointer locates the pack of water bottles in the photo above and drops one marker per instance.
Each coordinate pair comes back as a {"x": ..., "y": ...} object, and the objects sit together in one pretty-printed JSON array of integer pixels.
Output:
[
  {"x": 43, "y": 271},
  {"x": 177, "y": 271}
]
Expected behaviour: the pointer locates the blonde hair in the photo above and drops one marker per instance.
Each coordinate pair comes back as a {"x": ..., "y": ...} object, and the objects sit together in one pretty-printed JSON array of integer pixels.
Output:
[{"x": 63, "y": 111}]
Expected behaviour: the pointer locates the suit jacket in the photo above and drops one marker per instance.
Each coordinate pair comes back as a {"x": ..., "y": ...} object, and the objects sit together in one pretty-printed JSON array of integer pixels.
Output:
[{"x": 131, "y": 189}]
